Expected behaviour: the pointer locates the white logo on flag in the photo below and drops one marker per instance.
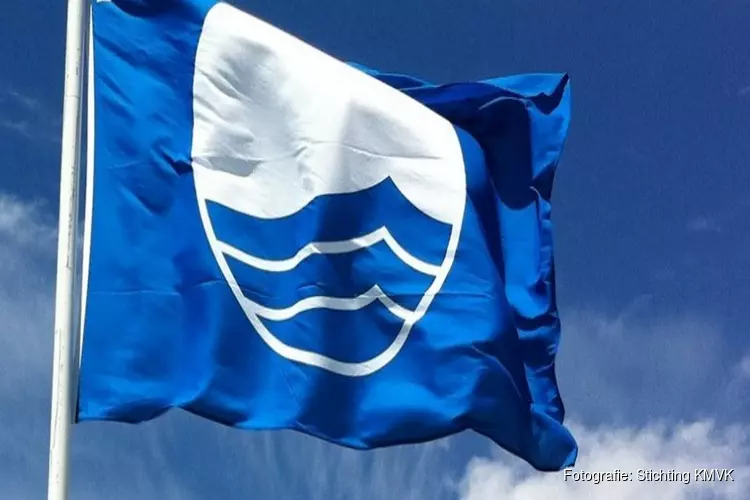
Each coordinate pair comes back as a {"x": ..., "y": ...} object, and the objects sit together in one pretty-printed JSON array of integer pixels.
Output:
[{"x": 277, "y": 125}]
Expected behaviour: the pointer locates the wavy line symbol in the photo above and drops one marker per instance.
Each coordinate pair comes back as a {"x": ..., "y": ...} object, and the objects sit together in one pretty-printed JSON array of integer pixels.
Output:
[
  {"x": 262, "y": 317},
  {"x": 333, "y": 215},
  {"x": 333, "y": 247},
  {"x": 326, "y": 302}
]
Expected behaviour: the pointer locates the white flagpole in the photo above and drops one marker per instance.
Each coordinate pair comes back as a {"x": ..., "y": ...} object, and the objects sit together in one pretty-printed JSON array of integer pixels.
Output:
[{"x": 65, "y": 363}]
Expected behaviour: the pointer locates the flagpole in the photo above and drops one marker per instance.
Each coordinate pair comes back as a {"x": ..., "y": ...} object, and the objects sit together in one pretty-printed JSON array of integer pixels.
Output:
[{"x": 65, "y": 362}]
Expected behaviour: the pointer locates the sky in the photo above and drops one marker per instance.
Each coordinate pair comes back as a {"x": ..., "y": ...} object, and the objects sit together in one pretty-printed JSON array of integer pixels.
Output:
[{"x": 651, "y": 242}]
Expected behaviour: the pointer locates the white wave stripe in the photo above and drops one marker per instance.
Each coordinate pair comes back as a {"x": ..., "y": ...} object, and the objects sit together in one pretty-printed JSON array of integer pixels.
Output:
[
  {"x": 332, "y": 247},
  {"x": 333, "y": 303}
]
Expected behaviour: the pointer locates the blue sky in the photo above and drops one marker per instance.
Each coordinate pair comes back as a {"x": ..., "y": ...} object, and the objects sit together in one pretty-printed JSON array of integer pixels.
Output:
[{"x": 651, "y": 238}]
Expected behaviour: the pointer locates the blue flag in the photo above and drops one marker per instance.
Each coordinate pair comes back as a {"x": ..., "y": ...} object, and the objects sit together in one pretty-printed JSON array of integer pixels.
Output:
[{"x": 278, "y": 240}]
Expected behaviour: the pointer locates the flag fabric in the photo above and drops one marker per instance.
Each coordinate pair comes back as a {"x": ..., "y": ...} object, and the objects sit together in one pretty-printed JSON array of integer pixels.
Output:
[{"x": 279, "y": 240}]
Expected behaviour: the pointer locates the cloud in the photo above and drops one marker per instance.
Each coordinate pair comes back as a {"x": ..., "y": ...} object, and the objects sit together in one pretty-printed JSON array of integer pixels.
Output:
[
  {"x": 743, "y": 368},
  {"x": 642, "y": 453},
  {"x": 727, "y": 218},
  {"x": 703, "y": 224},
  {"x": 643, "y": 363},
  {"x": 25, "y": 350},
  {"x": 26, "y": 225},
  {"x": 744, "y": 91},
  {"x": 26, "y": 116},
  {"x": 27, "y": 242},
  {"x": 315, "y": 470}
]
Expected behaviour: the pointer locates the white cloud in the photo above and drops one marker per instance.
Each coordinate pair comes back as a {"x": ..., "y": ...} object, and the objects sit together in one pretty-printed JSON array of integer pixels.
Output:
[
  {"x": 703, "y": 224},
  {"x": 27, "y": 242},
  {"x": 25, "y": 224},
  {"x": 743, "y": 368},
  {"x": 25, "y": 347},
  {"x": 27, "y": 102},
  {"x": 26, "y": 116},
  {"x": 679, "y": 449},
  {"x": 423, "y": 472},
  {"x": 643, "y": 364}
]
